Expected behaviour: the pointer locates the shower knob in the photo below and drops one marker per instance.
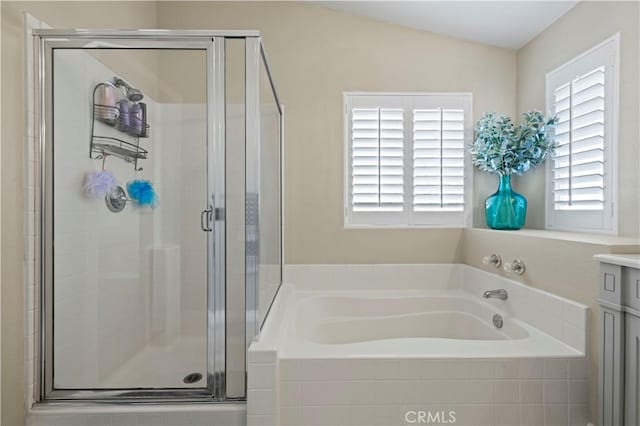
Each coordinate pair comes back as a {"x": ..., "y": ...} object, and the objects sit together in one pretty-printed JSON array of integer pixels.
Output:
[{"x": 116, "y": 200}]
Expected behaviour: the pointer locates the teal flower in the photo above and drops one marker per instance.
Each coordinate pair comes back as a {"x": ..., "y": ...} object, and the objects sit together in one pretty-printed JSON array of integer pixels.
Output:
[{"x": 504, "y": 148}]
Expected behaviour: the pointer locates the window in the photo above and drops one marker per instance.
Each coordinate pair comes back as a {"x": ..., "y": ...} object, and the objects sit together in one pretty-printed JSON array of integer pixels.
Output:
[
  {"x": 581, "y": 178},
  {"x": 406, "y": 159}
]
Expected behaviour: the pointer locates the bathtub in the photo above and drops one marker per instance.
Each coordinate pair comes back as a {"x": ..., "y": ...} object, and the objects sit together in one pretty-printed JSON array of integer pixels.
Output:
[
  {"x": 436, "y": 323},
  {"x": 359, "y": 319},
  {"x": 393, "y": 344}
]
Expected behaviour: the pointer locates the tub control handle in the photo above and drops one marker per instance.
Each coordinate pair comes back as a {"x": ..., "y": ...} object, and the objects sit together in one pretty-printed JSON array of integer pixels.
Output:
[
  {"x": 494, "y": 260},
  {"x": 517, "y": 266}
]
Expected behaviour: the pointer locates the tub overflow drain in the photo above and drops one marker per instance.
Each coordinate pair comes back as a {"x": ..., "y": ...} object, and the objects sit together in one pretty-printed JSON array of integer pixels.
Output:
[
  {"x": 192, "y": 378},
  {"x": 497, "y": 321}
]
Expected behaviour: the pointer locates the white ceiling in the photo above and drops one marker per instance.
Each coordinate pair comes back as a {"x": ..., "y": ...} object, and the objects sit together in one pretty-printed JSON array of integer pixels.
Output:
[{"x": 510, "y": 24}]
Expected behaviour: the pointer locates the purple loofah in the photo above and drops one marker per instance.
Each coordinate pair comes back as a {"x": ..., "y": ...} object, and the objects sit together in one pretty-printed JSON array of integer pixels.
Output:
[{"x": 99, "y": 184}]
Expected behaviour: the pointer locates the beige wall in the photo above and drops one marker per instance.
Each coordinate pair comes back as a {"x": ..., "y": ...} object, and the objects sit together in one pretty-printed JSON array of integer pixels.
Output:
[
  {"x": 61, "y": 15},
  {"x": 581, "y": 28},
  {"x": 315, "y": 55}
]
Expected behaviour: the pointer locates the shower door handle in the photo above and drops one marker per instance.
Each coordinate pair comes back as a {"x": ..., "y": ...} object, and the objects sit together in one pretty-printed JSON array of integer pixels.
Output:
[{"x": 206, "y": 217}]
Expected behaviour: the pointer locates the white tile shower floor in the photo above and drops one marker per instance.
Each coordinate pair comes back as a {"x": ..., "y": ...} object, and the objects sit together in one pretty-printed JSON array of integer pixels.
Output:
[{"x": 163, "y": 366}]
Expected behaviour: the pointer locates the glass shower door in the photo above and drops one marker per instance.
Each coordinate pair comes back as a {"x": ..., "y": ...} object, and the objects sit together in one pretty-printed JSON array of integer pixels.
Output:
[
  {"x": 130, "y": 194},
  {"x": 161, "y": 212}
]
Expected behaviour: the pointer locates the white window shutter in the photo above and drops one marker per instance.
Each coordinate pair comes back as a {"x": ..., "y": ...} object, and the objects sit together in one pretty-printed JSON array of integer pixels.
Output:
[
  {"x": 377, "y": 159},
  {"x": 406, "y": 161},
  {"x": 578, "y": 166},
  {"x": 438, "y": 160},
  {"x": 581, "y": 177},
  {"x": 442, "y": 173}
]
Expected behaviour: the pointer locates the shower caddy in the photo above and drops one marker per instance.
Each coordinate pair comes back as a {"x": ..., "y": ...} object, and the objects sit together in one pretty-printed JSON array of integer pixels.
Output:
[{"x": 99, "y": 146}]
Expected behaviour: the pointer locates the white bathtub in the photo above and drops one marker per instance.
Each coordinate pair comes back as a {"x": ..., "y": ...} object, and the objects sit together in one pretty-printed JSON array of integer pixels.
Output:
[
  {"x": 365, "y": 344},
  {"x": 447, "y": 315},
  {"x": 429, "y": 323},
  {"x": 419, "y": 311}
]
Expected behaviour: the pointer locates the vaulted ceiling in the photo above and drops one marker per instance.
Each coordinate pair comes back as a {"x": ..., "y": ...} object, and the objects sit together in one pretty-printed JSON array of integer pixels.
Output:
[{"x": 510, "y": 24}]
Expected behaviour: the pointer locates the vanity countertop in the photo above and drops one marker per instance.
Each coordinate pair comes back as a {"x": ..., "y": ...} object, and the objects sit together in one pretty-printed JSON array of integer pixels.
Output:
[{"x": 628, "y": 260}]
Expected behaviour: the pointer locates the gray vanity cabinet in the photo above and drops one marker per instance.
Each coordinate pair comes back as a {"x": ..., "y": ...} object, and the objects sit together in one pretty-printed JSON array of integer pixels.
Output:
[
  {"x": 619, "y": 353},
  {"x": 632, "y": 371}
]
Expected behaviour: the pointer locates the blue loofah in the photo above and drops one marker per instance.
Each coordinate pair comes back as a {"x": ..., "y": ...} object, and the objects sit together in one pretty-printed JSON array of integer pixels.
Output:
[
  {"x": 99, "y": 184},
  {"x": 142, "y": 191}
]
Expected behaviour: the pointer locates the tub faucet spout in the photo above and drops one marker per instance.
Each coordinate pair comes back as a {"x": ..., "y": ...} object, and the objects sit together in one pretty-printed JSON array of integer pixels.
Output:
[{"x": 496, "y": 294}]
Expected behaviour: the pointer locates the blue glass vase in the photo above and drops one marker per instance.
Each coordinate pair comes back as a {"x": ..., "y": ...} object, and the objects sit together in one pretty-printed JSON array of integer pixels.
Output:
[{"x": 505, "y": 209}]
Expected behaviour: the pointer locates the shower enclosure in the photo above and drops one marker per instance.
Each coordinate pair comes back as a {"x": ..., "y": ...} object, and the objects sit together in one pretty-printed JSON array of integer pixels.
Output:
[{"x": 161, "y": 220}]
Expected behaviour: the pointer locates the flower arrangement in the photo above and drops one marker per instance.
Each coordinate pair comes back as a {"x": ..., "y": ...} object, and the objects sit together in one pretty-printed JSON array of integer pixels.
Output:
[{"x": 502, "y": 147}]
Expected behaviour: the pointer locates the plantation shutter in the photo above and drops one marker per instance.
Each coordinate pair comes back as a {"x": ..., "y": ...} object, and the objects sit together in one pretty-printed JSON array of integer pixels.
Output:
[
  {"x": 578, "y": 166},
  {"x": 438, "y": 160},
  {"x": 405, "y": 159},
  {"x": 377, "y": 159},
  {"x": 581, "y": 177}
]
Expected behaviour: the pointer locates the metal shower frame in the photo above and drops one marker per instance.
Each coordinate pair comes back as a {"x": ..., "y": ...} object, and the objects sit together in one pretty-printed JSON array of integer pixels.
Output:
[{"x": 213, "y": 42}]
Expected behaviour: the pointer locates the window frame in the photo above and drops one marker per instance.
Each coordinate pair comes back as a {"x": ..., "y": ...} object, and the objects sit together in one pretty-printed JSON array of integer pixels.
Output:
[
  {"x": 607, "y": 54},
  {"x": 408, "y": 219}
]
